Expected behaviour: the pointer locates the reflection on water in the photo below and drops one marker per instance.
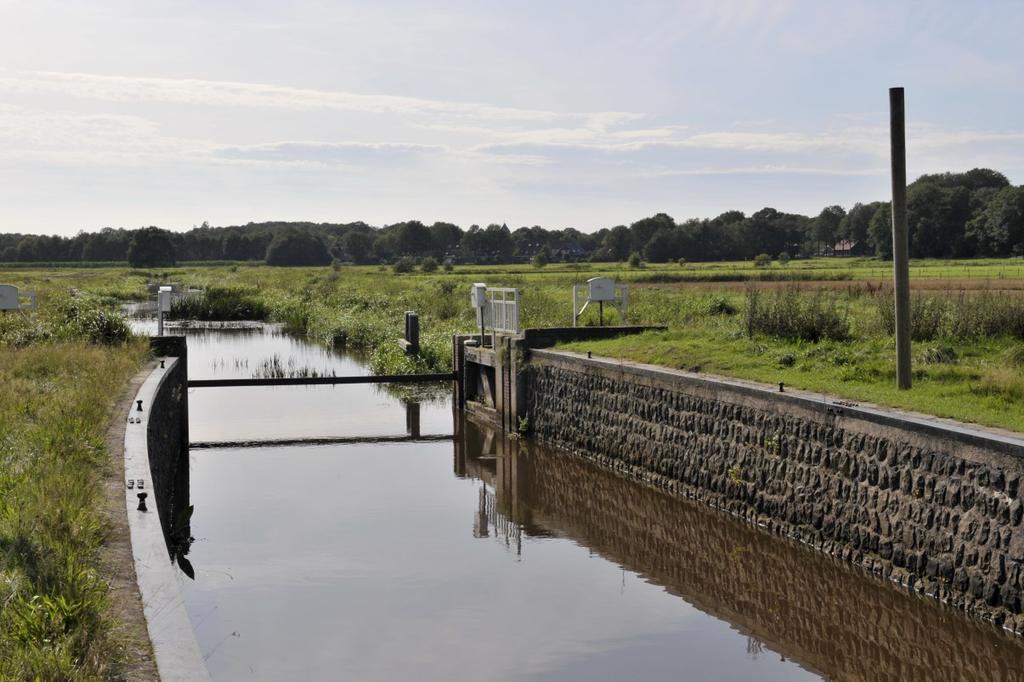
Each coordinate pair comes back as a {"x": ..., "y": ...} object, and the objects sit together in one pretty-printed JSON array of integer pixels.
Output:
[
  {"x": 493, "y": 559},
  {"x": 789, "y": 601}
]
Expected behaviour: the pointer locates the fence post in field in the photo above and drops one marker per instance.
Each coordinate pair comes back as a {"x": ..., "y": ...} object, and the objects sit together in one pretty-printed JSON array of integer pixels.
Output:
[{"x": 900, "y": 260}]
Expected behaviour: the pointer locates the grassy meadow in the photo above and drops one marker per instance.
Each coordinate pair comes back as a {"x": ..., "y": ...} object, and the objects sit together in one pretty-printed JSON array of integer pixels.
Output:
[
  {"x": 820, "y": 325},
  {"x": 59, "y": 374}
]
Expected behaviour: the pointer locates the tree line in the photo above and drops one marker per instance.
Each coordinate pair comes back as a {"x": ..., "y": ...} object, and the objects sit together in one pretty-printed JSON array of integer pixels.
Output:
[{"x": 950, "y": 215}]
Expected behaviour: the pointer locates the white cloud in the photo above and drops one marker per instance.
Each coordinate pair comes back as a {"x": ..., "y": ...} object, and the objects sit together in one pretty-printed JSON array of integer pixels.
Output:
[
  {"x": 327, "y": 152},
  {"x": 262, "y": 95}
]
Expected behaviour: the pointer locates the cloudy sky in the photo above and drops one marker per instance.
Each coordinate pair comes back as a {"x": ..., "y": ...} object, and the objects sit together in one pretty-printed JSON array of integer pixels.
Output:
[{"x": 584, "y": 114}]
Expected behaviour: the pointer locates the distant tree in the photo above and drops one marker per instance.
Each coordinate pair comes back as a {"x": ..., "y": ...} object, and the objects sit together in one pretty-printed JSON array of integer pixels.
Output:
[
  {"x": 356, "y": 246},
  {"x": 413, "y": 238},
  {"x": 936, "y": 216},
  {"x": 235, "y": 246},
  {"x": 293, "y": 248},
  {"x": 616, "y": 244},
  {"x": 715, "y": 239},
  {"x": 542, "y": 257},
  {"x": 642, "y": 230},
  {"x": 681, "y": 262},
  {"x": 385, "y": 247},
  {"x": 784, "y": 258},
  {"x": 999, "y": 227},
  {"x": 854, "y": 225},
  {"x": 662, "y": 246},
  {"x": 8, "y": 254},
  {"x": 769, "y": 231},
  {"x": 826, "y": 225},
  {"x": 493, "y": 244},
  {"x": 880, "y": 231},
  {"x": 762, "y": 260},
  {"x": 428, "y": 264},
  {"x": 28, "y": 249},
  {"x": 151, "y": 247},
  {"x": 635, "y": 261},
  {"x": 445, "y": 238},
  {"x": 107, "y": 245}
]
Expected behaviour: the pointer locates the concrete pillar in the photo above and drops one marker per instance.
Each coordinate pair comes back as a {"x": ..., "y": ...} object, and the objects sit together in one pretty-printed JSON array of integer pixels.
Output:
[{"x": 900, "y": 249}]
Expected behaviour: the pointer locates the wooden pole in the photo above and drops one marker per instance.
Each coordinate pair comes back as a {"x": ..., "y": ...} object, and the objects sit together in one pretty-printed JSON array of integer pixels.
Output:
[{"x": 900, "y": 258}]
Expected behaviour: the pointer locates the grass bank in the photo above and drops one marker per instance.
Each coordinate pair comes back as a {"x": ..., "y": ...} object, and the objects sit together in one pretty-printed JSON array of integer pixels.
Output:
[
  {"x": 60, "y": 374},
  {"x": 985, "y": 385},
  {"x": 833, "y": 335}
]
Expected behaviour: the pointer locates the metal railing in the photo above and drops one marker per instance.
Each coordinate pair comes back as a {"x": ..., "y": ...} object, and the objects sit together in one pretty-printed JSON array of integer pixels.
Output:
[{"x": 503, "y": 309}]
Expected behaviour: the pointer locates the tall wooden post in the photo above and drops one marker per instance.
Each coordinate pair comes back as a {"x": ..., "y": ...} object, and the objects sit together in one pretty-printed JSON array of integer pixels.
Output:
[{"x": 900, "y": 257}]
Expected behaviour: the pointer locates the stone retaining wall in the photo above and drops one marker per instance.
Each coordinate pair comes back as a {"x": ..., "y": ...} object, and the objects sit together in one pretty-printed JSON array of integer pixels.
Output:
[{"x": 923, "y": 502}]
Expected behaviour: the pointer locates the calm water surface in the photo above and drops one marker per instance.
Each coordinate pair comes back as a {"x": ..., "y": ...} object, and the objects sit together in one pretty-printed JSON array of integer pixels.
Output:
[{"x": 489, "y": 559}]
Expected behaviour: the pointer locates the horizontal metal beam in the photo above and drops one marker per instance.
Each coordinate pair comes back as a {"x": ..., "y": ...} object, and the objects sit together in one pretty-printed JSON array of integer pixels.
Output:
[
  {"x": 348, "y": 440},
  {"x": 325, "y": 381}
]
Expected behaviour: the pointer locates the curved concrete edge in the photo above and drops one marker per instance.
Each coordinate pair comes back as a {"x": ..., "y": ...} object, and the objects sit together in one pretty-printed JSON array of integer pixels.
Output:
[{"x": 177, "y": 653}]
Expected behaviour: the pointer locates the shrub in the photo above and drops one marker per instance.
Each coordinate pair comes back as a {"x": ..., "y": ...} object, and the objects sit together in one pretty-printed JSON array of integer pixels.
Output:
[
  {"x": 541, "y": 259},
  {"x": 428, "y": 264},
  {"x": 448, "y": 267},
  {"x": 762, "y": 260},
  {"x": 635, "y": 261},
  {"x": 719, "y": 305},
  {"x": 403, "y": 265},
  {"x": 83, "y": 318},
  {"x": 784, "y": 258},
  {"x": 790, "y": 314},
  {"x": 681, "y": 262}
]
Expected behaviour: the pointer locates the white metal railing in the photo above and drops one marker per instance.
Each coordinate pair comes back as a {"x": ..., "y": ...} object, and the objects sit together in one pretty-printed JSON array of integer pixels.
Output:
[{"x": 503, "y": 306}]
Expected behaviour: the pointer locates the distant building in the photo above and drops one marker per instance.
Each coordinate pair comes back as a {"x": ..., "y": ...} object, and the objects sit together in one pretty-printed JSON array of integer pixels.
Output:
[{"x": 846, "y": 247}]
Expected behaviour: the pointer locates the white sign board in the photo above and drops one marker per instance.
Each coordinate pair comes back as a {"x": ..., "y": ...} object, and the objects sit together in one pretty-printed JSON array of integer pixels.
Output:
[
  {"x": 9, "y": 297},
  {"x": 601, "y": 289},
  {"x": 478, "y": 295},
  {"x": 163, "y": 299}
]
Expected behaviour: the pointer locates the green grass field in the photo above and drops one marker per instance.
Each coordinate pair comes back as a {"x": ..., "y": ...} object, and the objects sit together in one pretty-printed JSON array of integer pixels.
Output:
[
  {"x": 971, "y": 377},
  {"x": 54, "y": 409},
  {"x": 61, "y": 369}
]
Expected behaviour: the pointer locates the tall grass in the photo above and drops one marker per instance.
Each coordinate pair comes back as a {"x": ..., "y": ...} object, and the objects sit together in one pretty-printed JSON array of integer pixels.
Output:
[
  {"x": 966, "y": 316},
  {"x": 221, "y": 304},
  {"x": 58, "y": 371},
  {"x": 793, "y": 314},
  {"x": 79, "y": 316},
  {"x": 53, "y": 413}
]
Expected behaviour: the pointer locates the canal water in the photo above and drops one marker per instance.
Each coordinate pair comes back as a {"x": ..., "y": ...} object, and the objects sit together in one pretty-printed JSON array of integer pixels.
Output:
[{"x": 419, "y": 546}]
